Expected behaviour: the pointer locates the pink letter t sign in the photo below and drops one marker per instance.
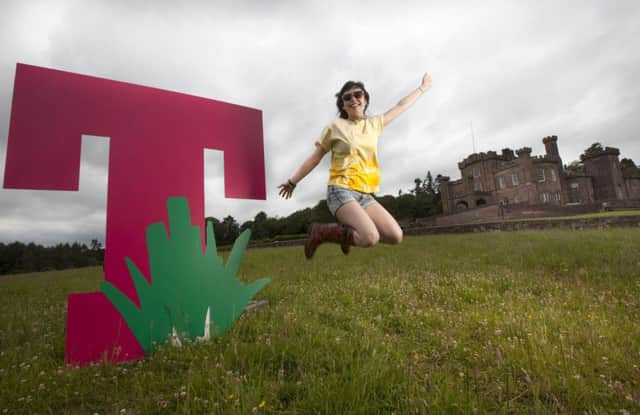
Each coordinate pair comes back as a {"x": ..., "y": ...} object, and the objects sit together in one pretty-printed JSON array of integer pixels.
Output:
[{"x": 157, "y": 142}]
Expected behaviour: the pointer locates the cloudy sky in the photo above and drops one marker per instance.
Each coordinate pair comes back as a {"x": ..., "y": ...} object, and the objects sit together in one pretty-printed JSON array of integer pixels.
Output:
[{"x": 515, "y": 70}]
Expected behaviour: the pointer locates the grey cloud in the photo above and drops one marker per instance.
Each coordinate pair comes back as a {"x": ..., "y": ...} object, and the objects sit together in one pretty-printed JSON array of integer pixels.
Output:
[{"x": 518, "y": 70}]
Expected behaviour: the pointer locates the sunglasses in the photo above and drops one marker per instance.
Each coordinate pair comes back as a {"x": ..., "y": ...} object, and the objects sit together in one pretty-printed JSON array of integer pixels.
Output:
[{"x": 357, "y": 94}]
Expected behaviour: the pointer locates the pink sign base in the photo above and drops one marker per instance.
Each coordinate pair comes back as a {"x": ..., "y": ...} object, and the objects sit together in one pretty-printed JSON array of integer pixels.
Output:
[{"x": 96, "y": 332}]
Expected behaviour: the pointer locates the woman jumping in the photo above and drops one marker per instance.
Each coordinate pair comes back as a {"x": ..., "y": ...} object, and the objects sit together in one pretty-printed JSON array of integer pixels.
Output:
[{"x": 354, "y": 175}]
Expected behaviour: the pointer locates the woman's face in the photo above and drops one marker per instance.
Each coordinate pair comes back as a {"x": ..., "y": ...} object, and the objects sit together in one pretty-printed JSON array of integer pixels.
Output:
[{"x": 354, "y": 103}]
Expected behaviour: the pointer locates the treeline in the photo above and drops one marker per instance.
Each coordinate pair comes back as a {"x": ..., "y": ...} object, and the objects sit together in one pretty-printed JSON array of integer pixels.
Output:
[
  {"x": 421, "y": 201},
  {"x": 18, "y": 258}
]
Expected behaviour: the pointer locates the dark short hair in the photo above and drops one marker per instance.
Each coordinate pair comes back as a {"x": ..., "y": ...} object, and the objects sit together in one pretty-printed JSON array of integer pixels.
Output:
[{"x": 347, "y": 86}]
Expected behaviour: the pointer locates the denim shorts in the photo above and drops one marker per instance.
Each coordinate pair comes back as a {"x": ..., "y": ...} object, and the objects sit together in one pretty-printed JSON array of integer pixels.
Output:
[{"x": 338, "y": 196}]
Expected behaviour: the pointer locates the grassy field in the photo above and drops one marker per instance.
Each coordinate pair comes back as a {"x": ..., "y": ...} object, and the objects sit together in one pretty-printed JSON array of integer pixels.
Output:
[
  {"x": 630, "y": 212},
  {"x": 523, "y": 322}
]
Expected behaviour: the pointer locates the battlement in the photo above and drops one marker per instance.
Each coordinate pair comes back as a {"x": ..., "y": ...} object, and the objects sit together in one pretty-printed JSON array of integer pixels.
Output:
[
  {"x": 477, "y": 157},
  {"x": 507, "y": 157},
  {"x": 508, "y": 154},
  {"x": 544, "y": 159}
]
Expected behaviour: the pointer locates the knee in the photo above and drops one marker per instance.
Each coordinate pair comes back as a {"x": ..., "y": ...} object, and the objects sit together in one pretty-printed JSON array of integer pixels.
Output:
[
  {"x": 394, "y": 237},
  {"x": 369, "y": 237}
]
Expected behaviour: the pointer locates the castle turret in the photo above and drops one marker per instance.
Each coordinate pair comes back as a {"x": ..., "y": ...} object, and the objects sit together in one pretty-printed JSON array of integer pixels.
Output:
[
  {"x": 603, "y": 165},
  {"x": 551, "y": 146},
  {"x": 526, "y": 165},
  {"x": 507, "y": 154},
  {"x": 445, "y": 195}
]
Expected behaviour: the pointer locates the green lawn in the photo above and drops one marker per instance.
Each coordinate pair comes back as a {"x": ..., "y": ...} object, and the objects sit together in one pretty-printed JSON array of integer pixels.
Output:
[
  {"x": 511, "y": 322},
  {"x": 630, "y": 212}
]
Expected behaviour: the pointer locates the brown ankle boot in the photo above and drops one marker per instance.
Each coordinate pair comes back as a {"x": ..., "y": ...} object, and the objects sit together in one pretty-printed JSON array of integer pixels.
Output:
[
  {"x": 330, "y": 232},
  {"x": 347, "y": 239}
]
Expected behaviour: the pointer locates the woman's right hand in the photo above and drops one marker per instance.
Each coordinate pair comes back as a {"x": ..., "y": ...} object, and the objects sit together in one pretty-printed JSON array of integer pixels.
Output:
[{"x": 286, "y": 189}]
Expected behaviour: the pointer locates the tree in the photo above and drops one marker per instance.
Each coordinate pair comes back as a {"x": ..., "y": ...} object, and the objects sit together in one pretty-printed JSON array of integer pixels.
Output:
[
  {"x": 593, "y": 149},
  {"x": 248, "y": 225},
  {"x": 95, "y": 245},
  {"x": 407, "y": 206},
  {"x": 389, "y": 203},
  {"x": 428, "y": 185},
  {"x": 575, "y": 166},
  {"x": 96, "y": 251},
  {"x": 418, "y": 186},
  {"x": 321, "y": 214},
  {"x": 436, "y": 184},
  {"x": 18, "y": 257},
  {"x": 231, "y": 230},
  {"x": 260, "y": 217},
  {"x": 218, "y": 229},
  {"x": 258, "y": 231}
]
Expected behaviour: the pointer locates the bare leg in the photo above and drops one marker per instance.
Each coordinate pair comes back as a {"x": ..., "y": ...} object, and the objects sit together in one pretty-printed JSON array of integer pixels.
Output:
[
  {"x": 390, "y": 231},
  {"x": 365, "y": 232}
]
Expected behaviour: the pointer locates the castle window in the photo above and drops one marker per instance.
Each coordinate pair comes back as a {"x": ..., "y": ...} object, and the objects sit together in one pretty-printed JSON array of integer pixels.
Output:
[
  {"x": 540, "y": 174},
  {"x": 477, "y": 185},
  {"x": 553, "y": 175},
  {"x": 476, "y": 172},
  {"x": 514, "y": 179},
  {"x": 574, "y": 195},
  {"x": 502, "y": 182},
  {"x": 544, "y": 197}
]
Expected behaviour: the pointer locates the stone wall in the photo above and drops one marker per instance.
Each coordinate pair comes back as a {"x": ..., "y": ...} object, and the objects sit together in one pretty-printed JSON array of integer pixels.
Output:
[
  {"x": 632, "y": 221},
  {"x": 279, "y": 244},
  {"x": 521, "y": 211},
  {"x": 633, "y": 187},
  {"x": 424, "y": 228},
  {"x": 606, "y": 222},
  {"x": 489, "y": 212}
]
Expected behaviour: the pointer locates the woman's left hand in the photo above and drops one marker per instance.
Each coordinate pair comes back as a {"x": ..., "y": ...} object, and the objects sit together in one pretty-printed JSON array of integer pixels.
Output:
[{"x": 426, "y": 83}]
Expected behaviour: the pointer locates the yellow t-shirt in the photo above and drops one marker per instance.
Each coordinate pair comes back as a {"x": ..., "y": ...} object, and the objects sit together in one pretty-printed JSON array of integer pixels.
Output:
[{"x": 354, "y": 153}]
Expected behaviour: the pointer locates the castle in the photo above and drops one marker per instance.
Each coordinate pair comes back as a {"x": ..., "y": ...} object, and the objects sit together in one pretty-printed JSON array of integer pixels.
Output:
[{"x": 517, "y": 184}]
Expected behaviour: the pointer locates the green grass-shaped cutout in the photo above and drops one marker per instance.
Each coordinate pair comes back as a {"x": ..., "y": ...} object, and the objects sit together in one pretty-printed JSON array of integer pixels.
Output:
[{"x": 184, "y": 283}]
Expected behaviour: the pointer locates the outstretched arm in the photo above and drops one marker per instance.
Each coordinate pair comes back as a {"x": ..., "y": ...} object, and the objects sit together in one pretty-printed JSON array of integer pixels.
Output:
[
  {"x": 407, "y": 101},
  {"x": 286, "y": 188}
]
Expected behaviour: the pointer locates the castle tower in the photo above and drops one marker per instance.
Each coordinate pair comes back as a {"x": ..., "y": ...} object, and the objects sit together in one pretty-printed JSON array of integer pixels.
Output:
[
  {"x": 508, "y": 154},
  {"x": 551, "y": 146},
  {"x": 603, "y": 165},
  {"x": 445, "y": 195}
]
